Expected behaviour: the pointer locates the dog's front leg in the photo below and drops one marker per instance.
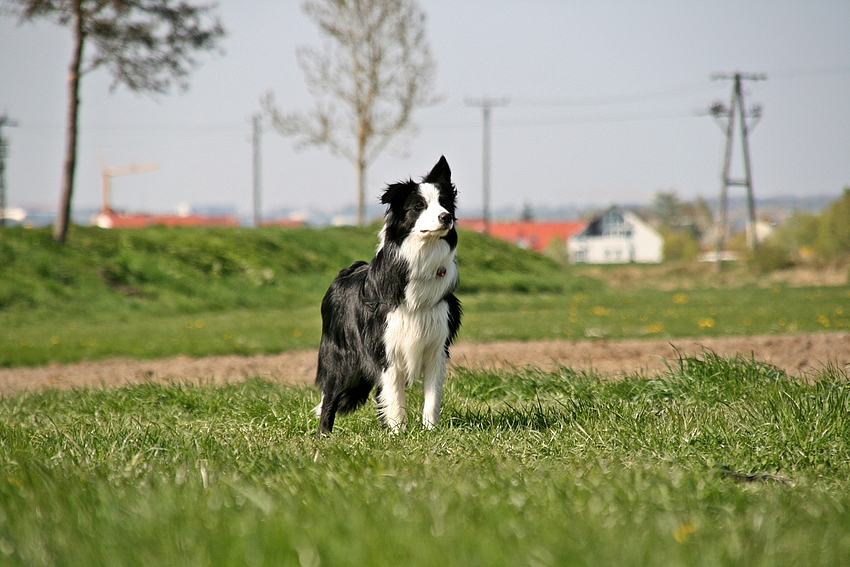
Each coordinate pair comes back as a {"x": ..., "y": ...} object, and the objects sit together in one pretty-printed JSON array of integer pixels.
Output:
[
  {"x": 434, "y": 378},
  {"x": 391, "y": 398}
]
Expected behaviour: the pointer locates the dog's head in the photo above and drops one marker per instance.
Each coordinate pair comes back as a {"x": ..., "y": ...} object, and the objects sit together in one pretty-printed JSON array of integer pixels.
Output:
[{"x": 421, "y": 210}]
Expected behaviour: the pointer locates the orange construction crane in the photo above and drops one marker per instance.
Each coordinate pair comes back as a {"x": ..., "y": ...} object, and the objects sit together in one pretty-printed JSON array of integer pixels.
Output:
[{"x": 107, "y": 173}]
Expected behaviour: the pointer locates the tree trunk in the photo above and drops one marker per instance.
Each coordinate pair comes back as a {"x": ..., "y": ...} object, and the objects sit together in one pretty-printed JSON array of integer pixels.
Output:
[
  {"x": 361, "y": 191},
  {"x": 60, "y": 228}
]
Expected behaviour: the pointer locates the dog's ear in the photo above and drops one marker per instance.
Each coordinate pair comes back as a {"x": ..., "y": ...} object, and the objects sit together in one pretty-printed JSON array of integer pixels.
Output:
[
  {"x": 440, "y": 174},
  {"x": 395, "y": 191}
]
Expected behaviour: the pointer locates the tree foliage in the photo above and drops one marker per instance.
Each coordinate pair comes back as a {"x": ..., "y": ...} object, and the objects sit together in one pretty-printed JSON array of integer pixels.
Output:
[
  {"x": 834, "y": 233},
  {"x": 147, "y": 46},
  {"x": 826, "y": 235},
  {"x": 684, "y": 225},
  {"x": 374, "y": 69}
]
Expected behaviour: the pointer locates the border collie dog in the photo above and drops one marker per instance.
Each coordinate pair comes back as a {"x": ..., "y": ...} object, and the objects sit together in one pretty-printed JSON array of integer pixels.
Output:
[{"x": 387, "y": 322}]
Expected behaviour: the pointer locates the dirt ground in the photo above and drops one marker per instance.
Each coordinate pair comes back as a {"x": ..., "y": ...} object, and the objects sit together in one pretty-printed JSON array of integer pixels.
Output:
[{"x": 800, "y": 355}]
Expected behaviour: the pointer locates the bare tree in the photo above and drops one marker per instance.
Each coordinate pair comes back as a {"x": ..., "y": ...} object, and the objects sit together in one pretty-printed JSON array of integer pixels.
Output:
[
  {"x": 374, "y": 70},
  {"x": 147, "y": 45}
]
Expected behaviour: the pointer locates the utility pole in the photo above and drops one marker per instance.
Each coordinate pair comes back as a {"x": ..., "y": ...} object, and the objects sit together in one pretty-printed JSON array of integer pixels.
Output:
[
  {"x": 4, "y": 148},
  {"x": 485, "y": 104},
  {"x": 257, "y": 173},
  {"x": 721, "y": 112}
]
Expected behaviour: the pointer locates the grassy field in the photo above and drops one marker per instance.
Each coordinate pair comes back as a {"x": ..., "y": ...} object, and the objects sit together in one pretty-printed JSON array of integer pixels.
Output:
[
  {"x": 715, "y": 462},
  {"x": 160, "y": 292}
]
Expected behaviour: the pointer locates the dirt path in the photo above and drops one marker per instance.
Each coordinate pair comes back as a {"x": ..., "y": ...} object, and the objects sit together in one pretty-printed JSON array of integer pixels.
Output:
[{"x": 800, "y": 355}]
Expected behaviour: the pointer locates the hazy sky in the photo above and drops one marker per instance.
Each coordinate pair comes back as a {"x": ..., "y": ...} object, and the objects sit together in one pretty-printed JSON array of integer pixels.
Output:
[{"x": 608, "y": 105}]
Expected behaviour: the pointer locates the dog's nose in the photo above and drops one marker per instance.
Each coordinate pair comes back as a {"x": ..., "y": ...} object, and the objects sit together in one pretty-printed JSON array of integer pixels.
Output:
[{"x": 446, "y": 218}]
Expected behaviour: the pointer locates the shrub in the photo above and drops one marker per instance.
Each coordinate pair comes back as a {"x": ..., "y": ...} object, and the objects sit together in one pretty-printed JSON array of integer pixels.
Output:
[
  {"x": 680, "y": 245},
  {"x": 769, "y": 257}
]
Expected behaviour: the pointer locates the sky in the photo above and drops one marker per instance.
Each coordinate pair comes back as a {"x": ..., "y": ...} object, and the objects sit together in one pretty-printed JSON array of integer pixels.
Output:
[{"x": 607, "y": 105}]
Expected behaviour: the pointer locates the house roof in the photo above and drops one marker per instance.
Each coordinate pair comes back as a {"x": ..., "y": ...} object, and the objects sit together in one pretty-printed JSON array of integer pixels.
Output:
[
  {"x": 528, "y": 234},
  {"x": 113, "y": 219},
  {"x": 601, "y": 222}
]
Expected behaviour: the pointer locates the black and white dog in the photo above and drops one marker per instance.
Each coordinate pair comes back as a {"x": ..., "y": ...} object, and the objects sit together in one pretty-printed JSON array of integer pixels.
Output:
[{"x": 387, "y": 322}]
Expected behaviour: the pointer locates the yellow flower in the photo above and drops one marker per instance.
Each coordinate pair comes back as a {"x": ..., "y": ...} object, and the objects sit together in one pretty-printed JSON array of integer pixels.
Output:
[
  {"x": 682, "y": 532},
  {"x": 705, "y": 323},
  {"x": 655, "y": 328},
  {"x": 599, "y": 310},
  {"x": 680, "y": 298}
]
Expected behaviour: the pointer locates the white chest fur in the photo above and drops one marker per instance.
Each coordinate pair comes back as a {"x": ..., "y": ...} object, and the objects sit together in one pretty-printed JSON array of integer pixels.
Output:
[
  {"x": 417, "y": 330},
  {"x": 416, "y": 339},
  {"x": 433, "y": 272}
]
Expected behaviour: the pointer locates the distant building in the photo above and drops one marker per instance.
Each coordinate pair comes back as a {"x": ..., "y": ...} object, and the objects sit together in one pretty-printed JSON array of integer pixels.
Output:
[
  {"x": 533, "y": 235},
  {"x": 112, "y": 219},
  {"x": 617, "y": 236},
  {"x": 285, "y": 223},
  {"x": 14, "y": 215}
]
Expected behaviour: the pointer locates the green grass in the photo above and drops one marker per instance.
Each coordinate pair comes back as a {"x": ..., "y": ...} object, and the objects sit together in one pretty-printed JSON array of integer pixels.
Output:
[
  {"x": 646, "y": 312},
  {"x": 528, "y": 468},
  {"x": 165, "y": 291}
]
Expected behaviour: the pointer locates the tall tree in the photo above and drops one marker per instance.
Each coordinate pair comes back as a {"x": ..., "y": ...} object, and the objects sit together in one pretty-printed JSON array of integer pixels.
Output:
[
  {"x": 667, "y": 207},
  {"x": 147, "y": 45},
  {"x": 374, "y": 70}
]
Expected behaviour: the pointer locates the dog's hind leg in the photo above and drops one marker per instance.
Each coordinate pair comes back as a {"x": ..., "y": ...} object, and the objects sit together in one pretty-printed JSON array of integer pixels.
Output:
[
  {"x": 434, "y": 376},
  {"x": 391, "y": 398}
]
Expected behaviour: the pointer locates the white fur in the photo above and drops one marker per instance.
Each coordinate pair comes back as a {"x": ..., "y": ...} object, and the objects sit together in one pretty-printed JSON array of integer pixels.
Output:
[
  {"x": 429, "y": 220},
  {"x": 415, "y": 341}
]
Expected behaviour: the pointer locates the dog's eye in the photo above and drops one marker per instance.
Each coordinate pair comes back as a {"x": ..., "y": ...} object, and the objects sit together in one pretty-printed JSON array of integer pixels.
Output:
[{"x": 419, "y": 205}]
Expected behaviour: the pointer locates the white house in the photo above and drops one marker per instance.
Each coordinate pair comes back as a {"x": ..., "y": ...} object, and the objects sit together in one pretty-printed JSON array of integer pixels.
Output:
[{"x": 616, "y": 236}]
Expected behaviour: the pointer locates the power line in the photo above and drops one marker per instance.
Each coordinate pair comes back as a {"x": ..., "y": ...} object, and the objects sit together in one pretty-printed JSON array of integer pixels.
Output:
[
  {"x": 609, "y": 100},
  {"x": 824, "y": 71}
]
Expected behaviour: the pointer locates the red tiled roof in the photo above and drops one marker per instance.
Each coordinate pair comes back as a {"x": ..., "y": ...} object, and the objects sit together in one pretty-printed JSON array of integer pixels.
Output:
[
  {"x": 140, "y": 220},
  {"x": 529, "y": 234}
]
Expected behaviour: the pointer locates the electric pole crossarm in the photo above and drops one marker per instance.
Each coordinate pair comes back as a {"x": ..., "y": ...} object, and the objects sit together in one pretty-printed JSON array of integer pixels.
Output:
[{"x": 743, "y": 76}]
